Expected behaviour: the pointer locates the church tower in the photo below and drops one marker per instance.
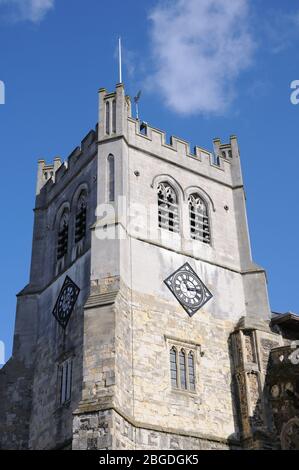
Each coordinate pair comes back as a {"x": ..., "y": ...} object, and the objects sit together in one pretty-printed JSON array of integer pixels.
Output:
[{"x": 145, "y": 324}]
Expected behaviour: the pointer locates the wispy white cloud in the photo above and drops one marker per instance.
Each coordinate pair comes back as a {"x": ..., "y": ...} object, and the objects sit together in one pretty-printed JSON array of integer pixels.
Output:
[
  {"x": 199, "y": 48},
  {"x": 22, "y": 10},
  {"x": 280, "y": 28}
]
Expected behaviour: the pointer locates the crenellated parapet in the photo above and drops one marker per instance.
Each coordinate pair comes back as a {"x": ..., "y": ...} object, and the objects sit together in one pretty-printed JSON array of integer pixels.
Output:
[
  {"x": 50, "y": 175},
  {"x": 222, "y": 163}
]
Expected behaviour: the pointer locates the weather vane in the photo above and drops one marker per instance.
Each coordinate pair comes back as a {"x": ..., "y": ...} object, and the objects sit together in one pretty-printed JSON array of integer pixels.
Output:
[{"x": 136, "y": 100}]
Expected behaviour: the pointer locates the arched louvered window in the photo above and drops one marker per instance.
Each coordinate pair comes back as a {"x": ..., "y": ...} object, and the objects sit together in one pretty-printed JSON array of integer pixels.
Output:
[
  {"x": 191, "y": 371},
  {"x": 63, "y": 234},
  {"x": 199, "y": 219},
  {"x": 173, "y": 368},
  {"x": 80, "y": 223},
  {"x": 114, "y": 116},
  {"x": 111, "y": 178},
  {"x": 183, "y": 372},
  {"x": 107, "y": 106},
  {"x": 168, "y": 213}
]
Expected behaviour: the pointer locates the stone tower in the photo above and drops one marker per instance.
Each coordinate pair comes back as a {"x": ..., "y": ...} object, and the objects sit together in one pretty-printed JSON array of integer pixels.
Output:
[{"x": 145, "y": 324}]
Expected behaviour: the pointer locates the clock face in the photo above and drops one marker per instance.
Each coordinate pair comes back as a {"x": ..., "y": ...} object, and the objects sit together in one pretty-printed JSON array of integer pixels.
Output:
[
  {"x": 66, "y": 301},
  {"x": 188, "y": 289}
]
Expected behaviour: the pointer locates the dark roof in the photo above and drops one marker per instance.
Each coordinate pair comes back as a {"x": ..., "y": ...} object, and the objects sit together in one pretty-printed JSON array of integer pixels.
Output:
[{"x": 286, "y": 320}]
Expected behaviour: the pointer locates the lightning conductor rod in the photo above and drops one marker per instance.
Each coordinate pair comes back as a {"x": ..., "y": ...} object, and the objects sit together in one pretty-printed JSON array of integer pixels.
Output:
[{"x": 119, "y": 60}]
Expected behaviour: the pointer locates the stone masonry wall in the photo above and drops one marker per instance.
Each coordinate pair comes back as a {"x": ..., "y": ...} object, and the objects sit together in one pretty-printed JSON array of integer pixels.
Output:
[
  {"x": 106, "y": 430},
  {"x": 145, "y": 329}
]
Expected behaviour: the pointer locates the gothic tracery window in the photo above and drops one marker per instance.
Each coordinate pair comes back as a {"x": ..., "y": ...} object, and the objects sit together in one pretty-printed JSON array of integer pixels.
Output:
[
  {"x": 80, "y": 223},
  {"x": 63, "y": 235},
  {"x": 182, "y": 368},
  {"x": 199, "y": 219},
  {"x": 168, "y": 213}
]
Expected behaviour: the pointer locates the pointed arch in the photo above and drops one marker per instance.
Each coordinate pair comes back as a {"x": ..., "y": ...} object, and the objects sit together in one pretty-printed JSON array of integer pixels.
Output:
[
  {"x": 81, "y": 187},
  {"x": 63, "y": 235},
  {"x": 199, "y": 218},
  {"x": 172, "y": 181},
  {"x": 80, "y": 217},
  {"x": 168, "y": 209},
  {"x": 65, "y": 206},
  {"x": 203, "y": 194}
]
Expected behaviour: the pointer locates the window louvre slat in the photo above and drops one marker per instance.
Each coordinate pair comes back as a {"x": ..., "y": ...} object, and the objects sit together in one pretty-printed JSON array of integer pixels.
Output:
[
  {"x": 199, "y": 220},
  {"x": 168, "y": 213}
]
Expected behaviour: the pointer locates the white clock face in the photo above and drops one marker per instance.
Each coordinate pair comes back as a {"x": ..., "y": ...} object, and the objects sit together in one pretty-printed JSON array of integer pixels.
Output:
[{"x": 188, "y": 289}]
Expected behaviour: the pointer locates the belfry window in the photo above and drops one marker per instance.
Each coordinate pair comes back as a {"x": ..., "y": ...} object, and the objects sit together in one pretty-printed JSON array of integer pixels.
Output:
[
  {"x": 107, "y": 117},
  {"x": 111, "y": 178},
  {"x": 65, "y": 376},
  {"x": 168, "y": 212},
  {"x": 199, "y": 219},
  {"x": 80, "y": 224},
  {"x": 182, "y": 369},
  {"x": 63, "y": 234}
]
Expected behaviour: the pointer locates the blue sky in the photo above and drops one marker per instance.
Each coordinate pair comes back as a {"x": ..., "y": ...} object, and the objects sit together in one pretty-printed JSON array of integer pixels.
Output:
[{"x": 207, "y": 68}]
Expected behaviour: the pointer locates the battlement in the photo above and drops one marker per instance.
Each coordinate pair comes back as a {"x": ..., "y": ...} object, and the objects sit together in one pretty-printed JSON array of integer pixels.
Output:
[
  {"x": 221, "y": 150},
  {"x": 222, "y": 163},
  {"x": 115, "y": 120},
  {"x": 50, "y": 174}
]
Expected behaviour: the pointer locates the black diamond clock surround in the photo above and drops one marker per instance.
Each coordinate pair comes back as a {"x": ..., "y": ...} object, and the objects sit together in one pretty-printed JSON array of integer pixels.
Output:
[
  {"x": 188, "y": 289},
  {"x": 66, "y": 301}
]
